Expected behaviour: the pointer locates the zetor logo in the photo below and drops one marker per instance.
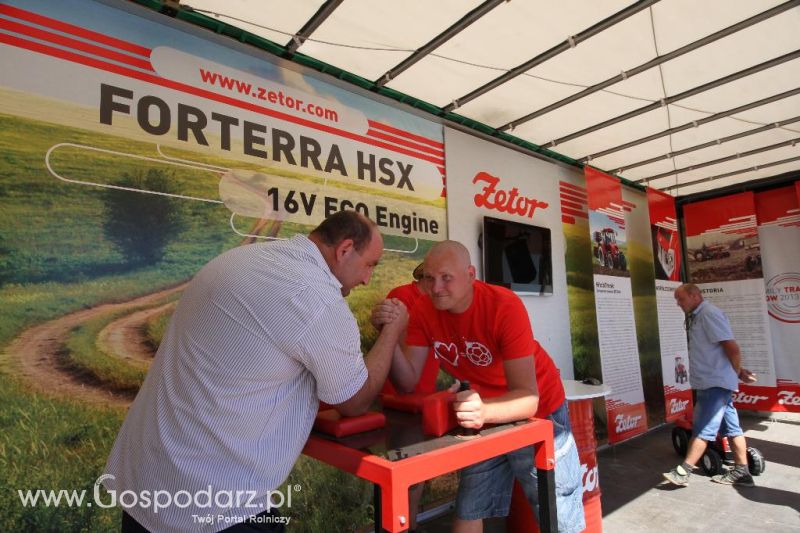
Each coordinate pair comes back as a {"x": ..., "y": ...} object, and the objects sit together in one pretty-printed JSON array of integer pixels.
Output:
[
  {"x": 742, "y": 397},
  {"x": 625, "y": 423},
  {"x": 676, "y": 406},
  {"x": 502, "y": 200},
  {"x": 787, "y": 397}
]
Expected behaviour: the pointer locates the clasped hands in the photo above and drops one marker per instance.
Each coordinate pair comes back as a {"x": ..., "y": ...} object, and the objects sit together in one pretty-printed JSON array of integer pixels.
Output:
[{"x": 389, "y": 311}]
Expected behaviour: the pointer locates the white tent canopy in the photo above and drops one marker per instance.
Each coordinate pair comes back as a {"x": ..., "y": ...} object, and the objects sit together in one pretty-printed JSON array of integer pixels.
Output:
[{"x": 681, "y": 95}]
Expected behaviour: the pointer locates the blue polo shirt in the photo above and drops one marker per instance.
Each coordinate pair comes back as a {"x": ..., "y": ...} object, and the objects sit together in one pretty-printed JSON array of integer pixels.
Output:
[{"x": 708, "y": 365}]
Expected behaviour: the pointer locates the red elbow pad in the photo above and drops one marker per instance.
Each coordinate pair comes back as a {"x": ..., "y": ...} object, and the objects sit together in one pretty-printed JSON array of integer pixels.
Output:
[{"x": 333, "y": 423}]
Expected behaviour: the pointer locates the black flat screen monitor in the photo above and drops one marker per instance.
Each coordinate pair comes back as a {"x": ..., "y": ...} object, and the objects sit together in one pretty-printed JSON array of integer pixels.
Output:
[{"x": 517, "y": 256}]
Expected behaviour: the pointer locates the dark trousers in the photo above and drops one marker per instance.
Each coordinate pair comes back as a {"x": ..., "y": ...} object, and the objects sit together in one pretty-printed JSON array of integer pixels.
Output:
[{"x": 129, "y": 525}]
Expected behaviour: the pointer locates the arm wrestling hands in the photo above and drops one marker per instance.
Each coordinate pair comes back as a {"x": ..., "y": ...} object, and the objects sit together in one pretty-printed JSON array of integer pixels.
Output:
[{"x": 386, "y": 312}]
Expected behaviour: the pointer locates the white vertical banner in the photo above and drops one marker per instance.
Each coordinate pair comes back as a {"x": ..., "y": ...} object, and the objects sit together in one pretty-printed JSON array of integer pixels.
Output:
[
  {"x": 671, "y": 331},
  {"x": 778, "y": 213},
  {"x": 619, "y": 351},
  {"x": 674, "y": 352}
]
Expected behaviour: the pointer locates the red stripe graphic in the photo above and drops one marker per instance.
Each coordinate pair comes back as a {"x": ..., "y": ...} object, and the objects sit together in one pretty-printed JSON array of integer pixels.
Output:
[
  {"x": 576, "y": 188},
  {"x": 29, "y": 31},
  {"x": 182, "y": 87},
  {"x": 567, "y": 220},
  {"x": 407, "y": 144},
  {"x": 74, "y": 30},
  {"x": 569, "y": 195},
  {"x": 573, "y": 205},
  {"x": 581, "y": 214},
  {"x": 572, "y": 198},
  {"x": 395, "y": 131}
]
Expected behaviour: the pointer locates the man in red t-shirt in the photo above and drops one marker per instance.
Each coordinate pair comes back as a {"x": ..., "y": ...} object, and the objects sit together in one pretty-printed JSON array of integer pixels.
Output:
[{"x": 482, "y": 333}]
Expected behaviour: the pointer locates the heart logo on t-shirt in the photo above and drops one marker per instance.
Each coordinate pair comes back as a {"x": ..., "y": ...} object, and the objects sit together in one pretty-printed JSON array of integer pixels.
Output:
[{"x": 446, "y": 351}]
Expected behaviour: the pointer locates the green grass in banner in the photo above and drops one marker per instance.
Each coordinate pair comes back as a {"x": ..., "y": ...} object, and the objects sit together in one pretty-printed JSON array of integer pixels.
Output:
[
  {"x": 83, "y": 356},
  {"x": 154, "y": 329},
  {"x": 646, "y": 316},
  {"x": 51, "y": 444},
  {"x": 55, "y": 443},
  {"x": 583, "y": 324},
  {"x": 53, "y": 230},
  {"x": 580, "y": 296}
]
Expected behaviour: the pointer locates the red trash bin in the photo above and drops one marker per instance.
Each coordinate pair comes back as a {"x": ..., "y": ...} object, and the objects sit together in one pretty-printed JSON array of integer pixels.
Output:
[{"x": 520, "y": 516}]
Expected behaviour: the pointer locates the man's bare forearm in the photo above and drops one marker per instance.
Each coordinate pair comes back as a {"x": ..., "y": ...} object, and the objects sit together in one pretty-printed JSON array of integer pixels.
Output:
[
  {"x": 404, "y": 375},
  {"x": 517, "y": 404},
  {"x": 378, "y": 362},
  {"x": 733, "y": 353}
]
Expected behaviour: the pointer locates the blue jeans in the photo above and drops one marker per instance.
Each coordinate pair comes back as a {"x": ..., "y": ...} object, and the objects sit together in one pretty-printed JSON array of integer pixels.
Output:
[
  {"x": 714, "y": 413},
  {"x": 484, "y": 489}
]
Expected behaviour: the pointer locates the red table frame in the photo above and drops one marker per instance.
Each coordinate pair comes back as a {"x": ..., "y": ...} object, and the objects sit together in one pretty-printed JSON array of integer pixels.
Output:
[{"x": 394, "y": 478}]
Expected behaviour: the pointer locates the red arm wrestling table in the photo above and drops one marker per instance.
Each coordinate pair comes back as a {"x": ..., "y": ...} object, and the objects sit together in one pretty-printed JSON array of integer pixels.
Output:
[{"x": 393, "y": 470}]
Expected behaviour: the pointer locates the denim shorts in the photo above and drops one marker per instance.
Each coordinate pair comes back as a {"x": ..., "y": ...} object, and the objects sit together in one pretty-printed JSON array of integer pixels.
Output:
[
  {"x": 714, "y": 414},
  {"x": 484, "y": 489}
]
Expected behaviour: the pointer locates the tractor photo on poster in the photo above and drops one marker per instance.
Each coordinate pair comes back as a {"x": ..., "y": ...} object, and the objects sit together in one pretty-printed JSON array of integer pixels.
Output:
[{"x": 609, "y": 245}]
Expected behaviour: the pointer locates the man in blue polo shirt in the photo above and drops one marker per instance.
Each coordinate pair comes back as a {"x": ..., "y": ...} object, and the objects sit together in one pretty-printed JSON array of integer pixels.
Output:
[{"x": 715, "y": 369}]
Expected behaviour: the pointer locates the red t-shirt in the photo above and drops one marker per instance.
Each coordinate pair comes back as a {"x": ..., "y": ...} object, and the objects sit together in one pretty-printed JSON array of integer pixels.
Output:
[
  {"x": 474, "y": 344},
  {"x": 409, "y": 294}
]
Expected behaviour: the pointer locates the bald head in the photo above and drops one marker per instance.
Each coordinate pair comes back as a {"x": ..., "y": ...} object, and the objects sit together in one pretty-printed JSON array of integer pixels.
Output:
[
  {"x": 451, "y": 251},
  {"x": 689, "y": 288},
  {"x": 449, "y": 275},
  {"x": 688, "y": 297}
]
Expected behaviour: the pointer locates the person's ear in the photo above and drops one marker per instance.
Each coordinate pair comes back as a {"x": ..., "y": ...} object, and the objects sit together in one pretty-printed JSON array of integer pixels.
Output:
[
  {"x": 344, "y": 249},
  {"x": 472, "y": 272}
]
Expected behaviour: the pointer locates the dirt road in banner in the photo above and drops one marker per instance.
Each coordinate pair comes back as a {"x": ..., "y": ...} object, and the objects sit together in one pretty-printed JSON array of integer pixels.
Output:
[
  {"x": 34, "y": 354},
  {"x": 124, "y": 338}
]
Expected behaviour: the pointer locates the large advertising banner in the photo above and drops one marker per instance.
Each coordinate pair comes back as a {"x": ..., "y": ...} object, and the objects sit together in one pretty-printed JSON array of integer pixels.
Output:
[
  {"x": 778, "y": 212},
  {"x": 274, "y": 126},
  {"x": 619, "y": 353},
  {"x": 724, "y": 260},
  {"x": 672, "y": 335},
  {"x": 135, "y": 148}
]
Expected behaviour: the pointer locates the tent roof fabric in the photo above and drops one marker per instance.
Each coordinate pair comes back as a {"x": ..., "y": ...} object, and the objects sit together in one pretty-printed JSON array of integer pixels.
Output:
[{"x": 679, "y": 95}]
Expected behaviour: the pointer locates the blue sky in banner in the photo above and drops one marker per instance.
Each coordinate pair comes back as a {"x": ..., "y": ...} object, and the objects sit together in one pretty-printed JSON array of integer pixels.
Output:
[{"x": 117, "y": 23}]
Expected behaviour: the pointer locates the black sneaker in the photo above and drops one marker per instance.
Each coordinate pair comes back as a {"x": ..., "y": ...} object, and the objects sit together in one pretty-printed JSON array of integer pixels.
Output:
[
  {"x": 677, "y": 476},
  {"x": 739, "y": 478}
]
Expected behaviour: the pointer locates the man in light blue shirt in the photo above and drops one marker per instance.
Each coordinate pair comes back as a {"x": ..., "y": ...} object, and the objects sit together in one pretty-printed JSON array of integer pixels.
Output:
[{"x": 715, "y": 368}]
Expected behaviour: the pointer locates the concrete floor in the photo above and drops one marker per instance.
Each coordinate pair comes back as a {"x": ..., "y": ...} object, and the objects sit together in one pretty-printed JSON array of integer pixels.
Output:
[{"x": 635, "y": 500}]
